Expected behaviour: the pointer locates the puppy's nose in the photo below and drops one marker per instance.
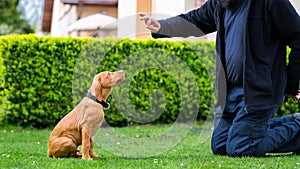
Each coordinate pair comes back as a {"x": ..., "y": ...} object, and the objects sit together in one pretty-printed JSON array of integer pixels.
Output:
[{"x": 122, "y": 72}]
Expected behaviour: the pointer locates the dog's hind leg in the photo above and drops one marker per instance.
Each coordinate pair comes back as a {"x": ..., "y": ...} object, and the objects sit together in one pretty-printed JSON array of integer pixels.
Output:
[{"x": 63, "y": 147}]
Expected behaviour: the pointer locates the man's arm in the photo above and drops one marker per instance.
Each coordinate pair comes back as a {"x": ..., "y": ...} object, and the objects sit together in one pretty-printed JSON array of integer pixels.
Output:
[
  {"x": 287, "y": 21},
  {"x": 195, "y": 23}
]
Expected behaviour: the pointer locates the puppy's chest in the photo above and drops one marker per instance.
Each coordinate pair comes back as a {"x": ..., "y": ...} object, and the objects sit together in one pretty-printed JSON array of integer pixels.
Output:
[{"x": 92, "y": 114}]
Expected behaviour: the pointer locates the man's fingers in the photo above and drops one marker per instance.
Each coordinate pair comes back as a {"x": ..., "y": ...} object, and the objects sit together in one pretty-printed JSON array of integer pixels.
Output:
[
  {"x": 151, "y": 23},
  {"x": 298, "y": 97},
  {"x": 143, "y": 16},
  {"x": 152, "y": 28}
]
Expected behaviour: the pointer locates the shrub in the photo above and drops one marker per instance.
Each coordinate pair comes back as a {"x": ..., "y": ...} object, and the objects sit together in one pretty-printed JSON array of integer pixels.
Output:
[
  {"x": 152, "y": 92},
  {"x": 38, "y": 78}
]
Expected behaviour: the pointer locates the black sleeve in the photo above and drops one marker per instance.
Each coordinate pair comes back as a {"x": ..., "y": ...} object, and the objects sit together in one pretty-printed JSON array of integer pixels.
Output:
[
  {"x": 194, "y": 23},
  {"x": 287, "y": 22}
]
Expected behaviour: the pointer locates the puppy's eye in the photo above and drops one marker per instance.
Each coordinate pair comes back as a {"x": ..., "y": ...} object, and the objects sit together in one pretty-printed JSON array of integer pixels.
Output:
[{"x": 108, "y": 74}]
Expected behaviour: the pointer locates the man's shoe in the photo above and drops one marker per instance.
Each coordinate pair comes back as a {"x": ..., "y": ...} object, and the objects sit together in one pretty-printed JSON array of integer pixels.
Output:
[{"x": 294, "y": 117}]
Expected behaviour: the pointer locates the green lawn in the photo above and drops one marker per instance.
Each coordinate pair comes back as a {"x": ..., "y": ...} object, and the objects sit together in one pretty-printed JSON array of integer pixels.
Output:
[{"x": 131, "y": 147}]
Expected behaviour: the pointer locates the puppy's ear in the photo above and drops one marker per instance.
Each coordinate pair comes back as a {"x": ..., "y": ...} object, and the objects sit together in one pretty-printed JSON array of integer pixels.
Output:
[
  {"x": 98, "y": 78},
  {"x": 97, "y": 82}
]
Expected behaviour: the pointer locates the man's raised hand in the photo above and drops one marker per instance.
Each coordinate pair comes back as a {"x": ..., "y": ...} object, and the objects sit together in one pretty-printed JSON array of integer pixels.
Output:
[{"x": 151, "y": 23}]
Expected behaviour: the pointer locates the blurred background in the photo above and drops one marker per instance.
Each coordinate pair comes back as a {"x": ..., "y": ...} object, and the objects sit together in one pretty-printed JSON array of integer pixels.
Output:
[{"x": 94, "y": 18}]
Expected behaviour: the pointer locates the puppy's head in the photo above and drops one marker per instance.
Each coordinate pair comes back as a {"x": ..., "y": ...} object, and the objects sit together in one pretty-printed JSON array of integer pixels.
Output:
[{"x": 108, "y": 80}]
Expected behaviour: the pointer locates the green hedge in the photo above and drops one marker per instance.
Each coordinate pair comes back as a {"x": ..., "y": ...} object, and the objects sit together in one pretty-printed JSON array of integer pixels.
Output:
[
  {"x": 43, "y": 78},
  {"x": 38, "y": 72}
]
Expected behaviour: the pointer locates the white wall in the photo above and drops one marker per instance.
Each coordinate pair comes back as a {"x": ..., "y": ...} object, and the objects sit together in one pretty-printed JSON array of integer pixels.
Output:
[
  {"x": 60, "y": 25},
  {"x": 55, "y": 28},
  {"x": 190, "y": 5},
  {"x": 127, "y": 18},
  {"x": 296, "y": 4},
  {"x": 169, "y": 7}
]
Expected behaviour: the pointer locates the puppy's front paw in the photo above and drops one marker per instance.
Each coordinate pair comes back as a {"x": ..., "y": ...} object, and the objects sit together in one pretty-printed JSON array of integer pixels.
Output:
[
  {"x": 86, "y": 157},
  {"x": 95, "y": 156}
]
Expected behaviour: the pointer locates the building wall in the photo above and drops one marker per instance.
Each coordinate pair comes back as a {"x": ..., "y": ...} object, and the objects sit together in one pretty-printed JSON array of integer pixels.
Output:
[
  {"x": 296, "y": 4},
  {"x": 59, "y": 23},
  {"x": 190, "y": 5},
  {"x": 64, "y": 15},
  {"x": 145, "y": 6},
  {"x": 127, "y": 18},
  {"x": 93, "y": 9},
  {"x": 168, "y": 7}
]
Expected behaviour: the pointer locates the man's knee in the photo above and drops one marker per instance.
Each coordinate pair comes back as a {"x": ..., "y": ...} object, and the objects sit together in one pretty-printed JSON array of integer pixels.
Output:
[
  {"x": 217, "y": 148},
  {"x": 244, "y": 150},
  {"x": 232, "y": 151}
]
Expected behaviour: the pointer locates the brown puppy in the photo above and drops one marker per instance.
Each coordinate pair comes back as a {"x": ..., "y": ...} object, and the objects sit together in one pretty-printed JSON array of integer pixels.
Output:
[{"x": 80, "y": 125}]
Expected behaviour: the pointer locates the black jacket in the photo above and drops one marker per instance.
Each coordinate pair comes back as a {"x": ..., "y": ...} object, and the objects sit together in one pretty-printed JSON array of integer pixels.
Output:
[{"x": 271, "y": 26}]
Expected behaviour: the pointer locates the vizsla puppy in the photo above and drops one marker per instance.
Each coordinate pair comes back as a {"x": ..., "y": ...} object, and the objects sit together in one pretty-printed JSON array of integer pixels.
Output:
[{"x": 80, "y": 125}]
